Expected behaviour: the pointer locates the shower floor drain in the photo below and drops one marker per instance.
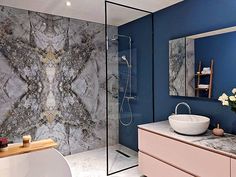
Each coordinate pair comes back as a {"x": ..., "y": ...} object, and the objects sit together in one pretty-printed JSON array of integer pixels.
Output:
[{"x": 124, "y": 154}]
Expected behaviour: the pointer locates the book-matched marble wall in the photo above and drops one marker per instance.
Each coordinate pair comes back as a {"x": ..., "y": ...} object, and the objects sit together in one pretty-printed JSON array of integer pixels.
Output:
[{"x": 52, "y": 79}]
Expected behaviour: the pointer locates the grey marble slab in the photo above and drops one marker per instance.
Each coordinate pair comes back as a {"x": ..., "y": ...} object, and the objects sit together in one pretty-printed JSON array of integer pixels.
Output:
[
  {"x": 53, "y": 80},
  {"x": 225, "y": 145},
  {"x": 181, "y": 67}
]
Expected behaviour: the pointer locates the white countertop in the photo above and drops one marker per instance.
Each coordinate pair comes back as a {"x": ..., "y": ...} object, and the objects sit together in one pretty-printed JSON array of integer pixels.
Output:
[{"x": 225, "y": 145}]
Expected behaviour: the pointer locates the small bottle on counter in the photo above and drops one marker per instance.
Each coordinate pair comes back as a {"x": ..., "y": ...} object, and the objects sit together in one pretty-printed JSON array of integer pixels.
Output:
[
  {"x": 26, "y": 141},
  {"x": 3, "y": 144},
  {"x": 218, "y": 131}
]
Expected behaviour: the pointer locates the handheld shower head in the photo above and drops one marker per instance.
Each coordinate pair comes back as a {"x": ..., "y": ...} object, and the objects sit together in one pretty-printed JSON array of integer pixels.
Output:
[{"x": 125, "y": 59}]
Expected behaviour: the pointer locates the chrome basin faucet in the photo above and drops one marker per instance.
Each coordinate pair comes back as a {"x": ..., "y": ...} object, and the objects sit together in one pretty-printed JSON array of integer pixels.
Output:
[{"x": 182, "y": 103}]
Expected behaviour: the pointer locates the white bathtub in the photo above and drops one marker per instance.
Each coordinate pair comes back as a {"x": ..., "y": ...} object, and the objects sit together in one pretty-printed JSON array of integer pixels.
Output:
[{"x": 45, "y": 163}]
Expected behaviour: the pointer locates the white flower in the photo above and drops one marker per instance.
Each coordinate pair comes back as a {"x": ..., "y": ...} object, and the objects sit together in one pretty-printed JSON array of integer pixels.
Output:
[
  {"x": 232, "y": 98},
  {"x": 225, "y": 103},
  {"x": 234, "y": 91},
  {"x": 223, "y": 98}
]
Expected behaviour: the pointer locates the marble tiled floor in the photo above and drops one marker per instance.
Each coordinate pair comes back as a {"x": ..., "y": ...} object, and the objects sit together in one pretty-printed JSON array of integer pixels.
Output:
[{"x": 93, "y": 163}]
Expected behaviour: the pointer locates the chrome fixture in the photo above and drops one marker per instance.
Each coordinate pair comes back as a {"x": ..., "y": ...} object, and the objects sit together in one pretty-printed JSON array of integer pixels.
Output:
[
  {"x": 128, "y": 86},
  {"x": 125, "y": 59},
  {"x": 182, "y": 103},
  {"x": 116, "y": 37}
]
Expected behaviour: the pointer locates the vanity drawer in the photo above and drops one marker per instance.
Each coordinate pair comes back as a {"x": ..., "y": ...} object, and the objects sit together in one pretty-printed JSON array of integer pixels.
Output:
[
  {"x": 233, "y": 167},
  {"x": 152, "y": 167},
  {"x": 192, "y": 159}
]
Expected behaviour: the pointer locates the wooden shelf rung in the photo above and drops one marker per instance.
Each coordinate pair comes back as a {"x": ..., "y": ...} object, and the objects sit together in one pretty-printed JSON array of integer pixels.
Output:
[
  {"x": 202, "y": 89},
  {"x": 202, "y": 74}
]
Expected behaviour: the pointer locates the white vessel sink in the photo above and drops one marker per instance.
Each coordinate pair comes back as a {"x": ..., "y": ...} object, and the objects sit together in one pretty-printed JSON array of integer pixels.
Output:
[{"x": 188, "y": 124}]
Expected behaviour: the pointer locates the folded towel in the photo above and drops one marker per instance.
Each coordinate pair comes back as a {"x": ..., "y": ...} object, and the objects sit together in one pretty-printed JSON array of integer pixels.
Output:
[
  {"x": 206, "y": 69},
  {"x": 206, "y": 72},
  {"x": 203, "y": 86}
]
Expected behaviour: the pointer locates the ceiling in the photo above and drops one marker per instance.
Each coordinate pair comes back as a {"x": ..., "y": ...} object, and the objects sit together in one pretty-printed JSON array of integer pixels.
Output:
[{"x": 92, "y": 10}]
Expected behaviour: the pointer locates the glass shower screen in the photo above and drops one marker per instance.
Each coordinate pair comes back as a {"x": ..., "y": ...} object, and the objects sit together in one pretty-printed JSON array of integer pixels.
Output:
[{"x": 129, "y": 82}]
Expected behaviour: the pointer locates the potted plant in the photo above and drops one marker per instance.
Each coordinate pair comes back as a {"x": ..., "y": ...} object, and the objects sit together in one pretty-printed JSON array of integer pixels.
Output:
[{"x": 229, "y": 100}]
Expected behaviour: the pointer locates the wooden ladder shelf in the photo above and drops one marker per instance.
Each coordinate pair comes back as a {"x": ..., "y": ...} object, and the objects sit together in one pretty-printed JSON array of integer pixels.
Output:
[{"x": 199, "y": 77}]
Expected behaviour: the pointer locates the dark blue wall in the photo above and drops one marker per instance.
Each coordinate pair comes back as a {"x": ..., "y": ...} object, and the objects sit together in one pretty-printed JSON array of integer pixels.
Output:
[
  {"x": 183, "y": 19},
  {"x": 141, "y": 33},
  {"x": 221, "y": 48},
  {"x": 187, "y": 18}
]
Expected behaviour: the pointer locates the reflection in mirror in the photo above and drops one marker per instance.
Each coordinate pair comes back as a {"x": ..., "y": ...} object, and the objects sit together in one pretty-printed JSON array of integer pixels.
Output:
[{"x": 202, "y": 65}]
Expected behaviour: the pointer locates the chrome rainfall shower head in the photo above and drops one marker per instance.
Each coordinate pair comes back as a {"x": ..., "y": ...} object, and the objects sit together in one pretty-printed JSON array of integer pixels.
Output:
[{"x": 114, "y": 38}]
